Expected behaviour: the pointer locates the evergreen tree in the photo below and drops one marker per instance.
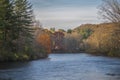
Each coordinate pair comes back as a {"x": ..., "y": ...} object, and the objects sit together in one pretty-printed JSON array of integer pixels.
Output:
[
  {"x": 24, "y": 21},
  {"x": 15, "y": 28},
  {"x": 6, "y": 24}
]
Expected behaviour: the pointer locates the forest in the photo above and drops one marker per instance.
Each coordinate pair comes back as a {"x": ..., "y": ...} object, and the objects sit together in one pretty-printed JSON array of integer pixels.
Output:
[
  {"x": 22, "y": 37},
  {"x": 18, "y": 40}
]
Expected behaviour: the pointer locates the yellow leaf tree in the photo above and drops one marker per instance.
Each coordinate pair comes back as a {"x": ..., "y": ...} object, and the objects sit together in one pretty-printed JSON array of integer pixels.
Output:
[{"x": 44, "y": 40}]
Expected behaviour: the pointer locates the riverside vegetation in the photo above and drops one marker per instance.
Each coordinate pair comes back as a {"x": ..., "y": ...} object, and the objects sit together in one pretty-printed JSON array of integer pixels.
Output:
[
  {"x": 22, "y": 37},
  {"x": 18, "y": 33}
]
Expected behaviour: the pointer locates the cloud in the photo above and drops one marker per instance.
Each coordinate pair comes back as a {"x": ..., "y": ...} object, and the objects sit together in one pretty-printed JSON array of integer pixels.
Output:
[{"x": 66, "y": 16}]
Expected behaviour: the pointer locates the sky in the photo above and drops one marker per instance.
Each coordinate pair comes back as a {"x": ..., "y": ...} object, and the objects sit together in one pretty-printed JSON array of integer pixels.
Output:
[{"x": 66, "y": 14}]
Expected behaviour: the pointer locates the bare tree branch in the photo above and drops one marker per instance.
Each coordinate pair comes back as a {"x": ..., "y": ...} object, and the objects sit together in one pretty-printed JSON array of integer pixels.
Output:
[{"x": 110, "y": 10}]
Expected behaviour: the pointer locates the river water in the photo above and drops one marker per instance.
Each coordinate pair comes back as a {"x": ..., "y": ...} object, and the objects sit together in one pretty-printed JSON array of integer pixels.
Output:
[{"x": 64, "y": 67}]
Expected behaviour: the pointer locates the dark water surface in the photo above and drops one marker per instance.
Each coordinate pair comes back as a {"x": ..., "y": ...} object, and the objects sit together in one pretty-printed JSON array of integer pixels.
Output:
[{"x": 64, "y": 67}]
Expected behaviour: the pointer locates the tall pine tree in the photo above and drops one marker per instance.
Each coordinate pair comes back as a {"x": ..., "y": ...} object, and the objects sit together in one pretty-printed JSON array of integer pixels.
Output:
[
  {"x": 6, "y": 24},
  {"x": 23, "y": 10},
  {"x": 15, "y": 28}
]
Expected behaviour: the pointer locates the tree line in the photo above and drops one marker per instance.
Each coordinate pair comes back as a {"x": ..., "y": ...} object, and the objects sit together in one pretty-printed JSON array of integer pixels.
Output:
[
  {"x": 17, "y": 32},
  {"x": 100, "y": 39}
]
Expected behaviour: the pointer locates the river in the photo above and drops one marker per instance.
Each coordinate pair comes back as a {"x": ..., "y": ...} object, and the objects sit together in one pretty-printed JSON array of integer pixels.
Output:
[{"x": 63, "y": 67}]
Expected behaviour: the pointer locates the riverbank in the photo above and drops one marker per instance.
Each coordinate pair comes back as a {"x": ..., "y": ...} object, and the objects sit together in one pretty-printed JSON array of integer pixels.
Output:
[
  {"x": 23, "y": 58},
  {"x": 88, "y": 52}
]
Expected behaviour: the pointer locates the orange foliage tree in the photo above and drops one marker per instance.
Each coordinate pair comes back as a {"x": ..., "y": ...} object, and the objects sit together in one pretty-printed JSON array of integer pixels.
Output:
[{"x": 45, "y": 40}]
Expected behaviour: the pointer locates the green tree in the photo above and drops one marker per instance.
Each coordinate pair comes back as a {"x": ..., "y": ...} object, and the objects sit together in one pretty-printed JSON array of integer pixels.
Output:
[
  {"x": 6, "y": 26},
  {"x": 69, "y": 31},
  {"x": 86, "y": 33},
  {"x": 52, "y": 30},
  {"x": 15, "y": 28},
  {"x": 24, "y": 14}
]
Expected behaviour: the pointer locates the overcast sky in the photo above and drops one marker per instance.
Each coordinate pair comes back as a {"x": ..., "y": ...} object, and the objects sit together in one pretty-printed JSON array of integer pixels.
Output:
[{"x": 65, "y": 14}]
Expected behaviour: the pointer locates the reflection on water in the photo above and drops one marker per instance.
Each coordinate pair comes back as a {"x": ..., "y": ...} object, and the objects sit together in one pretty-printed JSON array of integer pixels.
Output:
[
  {"x": 64, "y": 67},
  {"x": 11, "y": 65}
]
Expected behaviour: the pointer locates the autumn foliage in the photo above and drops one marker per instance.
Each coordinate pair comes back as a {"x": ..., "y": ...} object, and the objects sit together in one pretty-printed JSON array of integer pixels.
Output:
[{"x": 45, "y": 41}]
